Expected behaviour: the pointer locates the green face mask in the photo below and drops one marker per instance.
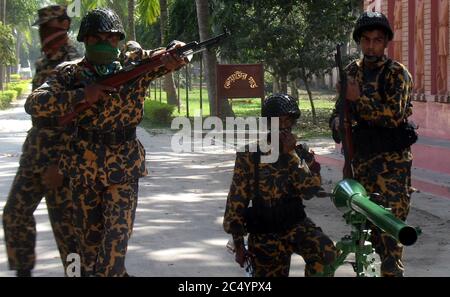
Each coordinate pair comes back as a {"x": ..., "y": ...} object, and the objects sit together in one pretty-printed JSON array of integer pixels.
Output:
[{"x": 102, "y": 53}]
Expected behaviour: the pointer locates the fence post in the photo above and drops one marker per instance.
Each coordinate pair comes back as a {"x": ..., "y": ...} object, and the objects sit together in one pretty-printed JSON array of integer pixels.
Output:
[
  {"x": 178, "y": 93},
  {"x": 160, "y": 90},
  {"x": 201, "y": 87},
  {"x": 187, "y": 90}
]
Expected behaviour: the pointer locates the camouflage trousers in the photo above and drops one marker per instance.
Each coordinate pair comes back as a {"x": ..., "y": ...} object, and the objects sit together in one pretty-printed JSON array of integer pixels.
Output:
[
  {"x": 19, "y": 223},
  {"x": 389, "y": 175},
  {"x": 104, "y": 218},
  {"x": 273, "y": 251}
]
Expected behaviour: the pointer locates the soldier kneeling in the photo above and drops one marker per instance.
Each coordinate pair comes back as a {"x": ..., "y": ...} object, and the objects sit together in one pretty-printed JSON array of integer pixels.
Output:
[{"x": 276, "y": 221}]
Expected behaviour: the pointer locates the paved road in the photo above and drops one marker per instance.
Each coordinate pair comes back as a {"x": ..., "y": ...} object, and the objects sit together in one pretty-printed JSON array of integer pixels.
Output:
[{"x": 178, "y": 229}]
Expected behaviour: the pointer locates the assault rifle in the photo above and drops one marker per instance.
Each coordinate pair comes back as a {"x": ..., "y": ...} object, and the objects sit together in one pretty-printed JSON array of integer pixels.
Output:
[
  {"x": 151, "y": 65},
  {"x": 345, "y": 124}
]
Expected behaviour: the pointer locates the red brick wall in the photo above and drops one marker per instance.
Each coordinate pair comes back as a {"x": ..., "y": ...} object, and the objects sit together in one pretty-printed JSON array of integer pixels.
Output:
[{"x": 408, "y": 37}]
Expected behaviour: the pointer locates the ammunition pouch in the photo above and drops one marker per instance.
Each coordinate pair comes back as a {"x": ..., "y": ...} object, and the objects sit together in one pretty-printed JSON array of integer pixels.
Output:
[
  {"x": 261, "y": 220},
  {"x": 368, "y": 140}
]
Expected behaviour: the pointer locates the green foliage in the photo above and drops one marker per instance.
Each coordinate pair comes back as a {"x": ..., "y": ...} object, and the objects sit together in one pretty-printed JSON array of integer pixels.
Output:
[
  {"x": 21, "y": 12},
  {"x": 188, "y": 29},
  {"x": 285, "y": 35},
  {"x": 19, "y": 87},
  {"x": 158, "y": 113},
  {"x": 15, "y": 77},
  {"x": 7, "y": 52},
  {"x": 6, "y": 97},
  {"x": 148, "y": 11},
  {"x": 20, "y": 15}
]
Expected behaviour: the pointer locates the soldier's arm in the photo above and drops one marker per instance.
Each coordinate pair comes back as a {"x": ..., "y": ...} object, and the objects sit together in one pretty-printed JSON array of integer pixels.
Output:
[
  {"x": 333, "y": 121},
  {"x": 305, "y": 177},
  {"x": 54, "y": 98},
  {"x": 238, "y": 198},
  {"x": 391, "y": 112},
  {"x": 135, "y": 53}
]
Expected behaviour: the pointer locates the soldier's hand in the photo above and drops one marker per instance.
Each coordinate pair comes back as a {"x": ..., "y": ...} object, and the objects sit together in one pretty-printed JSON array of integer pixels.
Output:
[
  {"x": 240, "y": 255},
  {"x": 51, "y": 178},
  {"x": 353, "y": 92},
  {"x": 171, "y": 61},
  {"x": 335, "y": 124},
  {"x": 94, "y": 92},
  {"x": 288, "y": 141}
]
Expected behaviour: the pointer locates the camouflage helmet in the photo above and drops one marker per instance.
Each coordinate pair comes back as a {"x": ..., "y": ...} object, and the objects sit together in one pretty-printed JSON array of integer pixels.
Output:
[
  {"x": 278, "y": 105},
  {"x": 49, "y": 13},
  {"x": 372, "y": 20},
  {"x": 100, "y": 20}
]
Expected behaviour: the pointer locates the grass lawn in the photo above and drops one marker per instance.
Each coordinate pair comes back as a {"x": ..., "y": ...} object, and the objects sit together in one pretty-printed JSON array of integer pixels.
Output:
[{"x": 323, "y": 102}]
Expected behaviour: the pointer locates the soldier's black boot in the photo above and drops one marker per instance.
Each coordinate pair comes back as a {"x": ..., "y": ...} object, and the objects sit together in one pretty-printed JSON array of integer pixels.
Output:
[{"x": 23, "y": 273}]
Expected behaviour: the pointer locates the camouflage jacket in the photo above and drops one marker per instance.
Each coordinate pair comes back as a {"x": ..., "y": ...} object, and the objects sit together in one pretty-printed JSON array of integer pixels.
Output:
[
  {"x": 371, "y": 107},
  {"x": 275, "y": 180},
  {"x": 44, "y": 145},
  {"x": 387, "y": 111},
  {"x": 45, "y": 66},
  {"x": 91, "y": 162}
]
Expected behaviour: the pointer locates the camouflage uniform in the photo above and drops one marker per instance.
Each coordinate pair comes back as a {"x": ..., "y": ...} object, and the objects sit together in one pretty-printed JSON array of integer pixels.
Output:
[
  {"x": 273, "y": 250},
  {"x": 103, "y": 176},
  {"x": 45, "y": 65},
  {"x": 387, "y": 173},
  {"x": 42, "y": 148}
]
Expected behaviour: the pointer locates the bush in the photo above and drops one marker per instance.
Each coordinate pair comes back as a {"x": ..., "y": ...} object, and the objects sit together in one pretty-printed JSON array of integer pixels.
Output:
[
  {"x": 158, "y": 113},
  {"x": 19, "y": 87},
  {"x": 6, "y": 97},
  {"x": 15, "y": 77}
]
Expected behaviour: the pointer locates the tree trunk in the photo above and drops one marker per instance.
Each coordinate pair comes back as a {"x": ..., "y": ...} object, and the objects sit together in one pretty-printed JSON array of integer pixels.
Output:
[
  {"x": 18, "y": 43},
  {"x": 313, "y": 109},
  {"x": 276, "y": 84},
  {"x": 294, "y": 90},
  {"x": 210, "y": 61},
  {"x": 3, "y": 20},
  {"x": 169, "y": 84},
  {"x": 131, "y": 26},
  {"x": 283, "y": 84}
]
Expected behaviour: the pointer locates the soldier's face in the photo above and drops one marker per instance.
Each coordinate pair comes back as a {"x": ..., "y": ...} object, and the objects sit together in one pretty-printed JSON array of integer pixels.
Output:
[
  {"x": 57, "y": 23},
  {"x": 112, "y": 38},
  {"x": 286, "y": 123},
  {"x": 373, "y": 43}
]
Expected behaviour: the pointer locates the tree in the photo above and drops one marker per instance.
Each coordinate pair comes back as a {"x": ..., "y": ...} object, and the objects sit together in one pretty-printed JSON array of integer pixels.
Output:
[
  {"x": 293, "y": 39},
  {"x": 316, "y": 46},
  {"x": 20, "y": 14},
  {"x": 131, "y": 29},
  {"x": 209, "y": 59},
  {"x": 7, "y": 47},
  {"x": 169, "y": 84},
  {"x": 3, "y": 20}
]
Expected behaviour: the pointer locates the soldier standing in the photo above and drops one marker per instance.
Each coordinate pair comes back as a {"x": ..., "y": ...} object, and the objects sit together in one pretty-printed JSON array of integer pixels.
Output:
[
  {"x": 37, "y": 176},
  {"x": 105, "y": 160},
  {"x": 378, "y": 91},
  {"x": 276, "y": 221}
]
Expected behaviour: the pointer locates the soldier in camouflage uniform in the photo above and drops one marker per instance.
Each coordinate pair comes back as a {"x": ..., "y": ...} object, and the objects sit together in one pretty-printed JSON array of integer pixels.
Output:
[
  {"x": 379, "y": 92},
  {"x": 105, "y": 159},
  {"x": 37, "y": 176},
  {"x": 276, "y": 221},
  {"x": 53, "y": 25}
]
